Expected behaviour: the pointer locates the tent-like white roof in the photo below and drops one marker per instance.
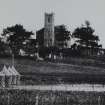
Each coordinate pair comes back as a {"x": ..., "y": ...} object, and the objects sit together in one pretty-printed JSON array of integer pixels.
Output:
[
  {"x": 2, "y": 74},
  {"x": 6, "y": 71},
  {"x": 15, "y": 71},
  {"x": 11, "y": 71}
]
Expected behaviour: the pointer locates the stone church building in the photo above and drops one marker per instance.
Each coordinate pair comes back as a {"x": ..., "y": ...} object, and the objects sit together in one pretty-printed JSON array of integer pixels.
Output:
[{"x": 47, "y": 35}]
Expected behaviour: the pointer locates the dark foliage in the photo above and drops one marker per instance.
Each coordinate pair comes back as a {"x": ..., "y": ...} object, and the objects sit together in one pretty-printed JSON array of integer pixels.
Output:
[
  {"x": 61, "y": 33},
  {"x": 85, "y": 36},
  {"x": 16, "y": 35},
  {"x": 40, "y": 37},
  {"x": 30, "y": 47}
]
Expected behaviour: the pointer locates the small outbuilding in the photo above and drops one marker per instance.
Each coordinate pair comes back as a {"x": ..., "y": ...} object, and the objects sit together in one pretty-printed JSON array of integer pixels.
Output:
[
  {"x": 17, "y": 74},
  {"x": 9, "y": 77},
  {"x": 13, "y": 76},
  {"x": 2, "y": 79}
]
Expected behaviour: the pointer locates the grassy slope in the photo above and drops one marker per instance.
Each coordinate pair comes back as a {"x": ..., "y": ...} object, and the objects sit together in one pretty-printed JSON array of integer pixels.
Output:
[
  {"x": 31, "y": 66},
  {"x": 32, "y": 70}
]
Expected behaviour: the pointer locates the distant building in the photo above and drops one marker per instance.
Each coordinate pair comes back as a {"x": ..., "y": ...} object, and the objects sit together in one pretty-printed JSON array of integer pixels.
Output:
[
  {"x": 49, "y": 30},
  {"x": 9, "y": 77},
  {"x": 47, "y": 35}
]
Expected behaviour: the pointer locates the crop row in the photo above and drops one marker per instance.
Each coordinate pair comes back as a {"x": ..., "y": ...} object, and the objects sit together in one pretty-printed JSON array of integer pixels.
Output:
[{"x": 24, "y": 97}]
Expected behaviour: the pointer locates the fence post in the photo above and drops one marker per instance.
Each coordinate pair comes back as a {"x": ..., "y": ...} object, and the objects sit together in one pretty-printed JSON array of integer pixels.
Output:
[{"x": 37, "y": 99}]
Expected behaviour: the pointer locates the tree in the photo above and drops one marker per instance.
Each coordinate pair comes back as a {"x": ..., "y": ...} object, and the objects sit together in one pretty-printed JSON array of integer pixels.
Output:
[
  {"x": 3, "y": 48},
  {"x": 30, "y": 47},
  {"x": 40, "y": 37},
  {"x": 85, "y": 36},
  {"x": 16, "y": 36}
]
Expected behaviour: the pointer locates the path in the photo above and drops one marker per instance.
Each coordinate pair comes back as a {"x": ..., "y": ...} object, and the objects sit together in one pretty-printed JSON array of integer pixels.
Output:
[{"x": 62, "y": 87}]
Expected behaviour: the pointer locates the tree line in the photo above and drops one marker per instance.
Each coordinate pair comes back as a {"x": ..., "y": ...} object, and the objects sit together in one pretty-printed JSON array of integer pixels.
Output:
[{"x": 15, "y": 39}]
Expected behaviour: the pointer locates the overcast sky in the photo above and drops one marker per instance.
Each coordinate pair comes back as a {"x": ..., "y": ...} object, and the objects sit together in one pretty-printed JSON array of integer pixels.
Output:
[{"x": 73, "y": 13}]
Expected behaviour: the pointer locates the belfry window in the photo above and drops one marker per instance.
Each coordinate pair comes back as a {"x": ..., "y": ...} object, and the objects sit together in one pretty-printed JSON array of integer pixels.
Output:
[{"x": 49, "y": 19}]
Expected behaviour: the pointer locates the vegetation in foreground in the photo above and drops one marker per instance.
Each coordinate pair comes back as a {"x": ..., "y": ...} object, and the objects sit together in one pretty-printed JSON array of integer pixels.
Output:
[{"x": 23, "y": 97}]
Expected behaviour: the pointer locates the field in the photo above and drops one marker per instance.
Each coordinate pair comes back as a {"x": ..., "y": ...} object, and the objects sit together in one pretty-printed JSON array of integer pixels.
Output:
[
  {"x": 35, "y": 72},
  {"x": 23, "y": 97}
]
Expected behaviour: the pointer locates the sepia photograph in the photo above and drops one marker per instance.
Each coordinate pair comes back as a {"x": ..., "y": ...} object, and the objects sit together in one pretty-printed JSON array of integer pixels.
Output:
[{"x": 52, "y": 52}]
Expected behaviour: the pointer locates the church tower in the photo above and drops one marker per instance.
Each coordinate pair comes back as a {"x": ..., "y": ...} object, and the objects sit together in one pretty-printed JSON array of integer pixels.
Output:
[{"x": 49, "y": 30}]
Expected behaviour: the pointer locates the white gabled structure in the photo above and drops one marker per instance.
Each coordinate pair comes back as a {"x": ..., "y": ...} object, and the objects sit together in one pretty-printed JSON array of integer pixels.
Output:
[
  {"x": 17, "y": 74},
  {"x": 8, "y": 76},
  {"x": 13, "y": 76},
  {"x": 2, "y": 79}
]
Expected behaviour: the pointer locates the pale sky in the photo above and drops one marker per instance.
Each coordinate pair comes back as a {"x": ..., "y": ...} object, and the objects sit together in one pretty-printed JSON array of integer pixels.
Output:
[{"x": 73, "y": 13}]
